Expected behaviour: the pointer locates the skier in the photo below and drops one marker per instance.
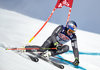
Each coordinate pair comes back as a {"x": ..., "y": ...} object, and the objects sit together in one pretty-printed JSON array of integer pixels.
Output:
[{"x": 58, "y": 38}]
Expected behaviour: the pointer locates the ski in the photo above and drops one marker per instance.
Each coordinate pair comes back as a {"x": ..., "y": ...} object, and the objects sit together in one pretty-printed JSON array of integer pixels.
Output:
[
  {"x": 23, "y": 54},
  {"x": 35, "y": 57},
  {"x": 48, "y": 60}
]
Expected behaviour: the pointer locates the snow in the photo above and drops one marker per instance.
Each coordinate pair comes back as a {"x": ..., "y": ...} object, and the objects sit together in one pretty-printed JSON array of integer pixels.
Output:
[{"x": 17, "y": 29}]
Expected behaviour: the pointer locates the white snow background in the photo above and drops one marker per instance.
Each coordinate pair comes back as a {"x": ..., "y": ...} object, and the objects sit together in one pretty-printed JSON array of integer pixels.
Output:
[{"x": 17, "y": 29}]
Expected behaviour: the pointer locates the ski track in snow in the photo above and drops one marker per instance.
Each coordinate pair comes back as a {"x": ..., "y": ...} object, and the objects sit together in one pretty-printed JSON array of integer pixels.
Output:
[{"x": 16, "y": 30}]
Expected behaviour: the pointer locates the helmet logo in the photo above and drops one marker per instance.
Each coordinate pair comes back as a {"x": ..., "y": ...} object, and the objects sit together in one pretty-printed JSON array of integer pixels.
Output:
[{"x": 72, "y": 27}]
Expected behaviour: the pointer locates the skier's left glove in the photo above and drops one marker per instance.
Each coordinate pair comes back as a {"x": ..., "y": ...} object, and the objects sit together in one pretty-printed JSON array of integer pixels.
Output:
[
  {"x": 58, "y": 46},
  {"x": 76, "y": 62}
]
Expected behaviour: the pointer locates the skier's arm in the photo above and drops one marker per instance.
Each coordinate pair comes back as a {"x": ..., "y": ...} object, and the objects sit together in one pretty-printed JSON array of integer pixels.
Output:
[
  {"x": 55, "y": 33},
  {"x": 75, "y": 50},
  {"x": 75, "y": 47}
]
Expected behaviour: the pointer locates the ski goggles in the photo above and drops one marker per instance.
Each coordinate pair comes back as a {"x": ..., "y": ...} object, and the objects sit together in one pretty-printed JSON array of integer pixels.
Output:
[{"x": 70, "y": 31}]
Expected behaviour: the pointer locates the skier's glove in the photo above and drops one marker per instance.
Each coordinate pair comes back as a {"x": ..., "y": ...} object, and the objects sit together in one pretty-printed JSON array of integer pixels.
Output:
[
  {"x": 58, "y": 46},
  {"x": 76, "y": 62}
]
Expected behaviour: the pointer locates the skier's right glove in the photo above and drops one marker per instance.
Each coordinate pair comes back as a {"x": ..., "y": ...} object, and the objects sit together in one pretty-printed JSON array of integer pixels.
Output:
[
  {"x": 76, "y": 62},
  {"x": 58, "y": 46}
]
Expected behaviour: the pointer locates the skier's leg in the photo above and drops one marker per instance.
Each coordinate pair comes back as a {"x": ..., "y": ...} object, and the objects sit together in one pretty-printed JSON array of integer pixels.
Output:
[
  {"x": 64, "y": 48},
  {"x": 46, "y": 44},
  {"x": 31, "y": 46}
]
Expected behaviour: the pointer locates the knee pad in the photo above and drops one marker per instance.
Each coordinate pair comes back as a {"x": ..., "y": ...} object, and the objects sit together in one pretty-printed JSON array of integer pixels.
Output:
[{"x": 65, "y": 48}]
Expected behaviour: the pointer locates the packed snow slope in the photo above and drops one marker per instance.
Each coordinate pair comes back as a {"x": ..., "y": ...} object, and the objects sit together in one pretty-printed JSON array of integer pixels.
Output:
[{"x": 16, "y": 30}]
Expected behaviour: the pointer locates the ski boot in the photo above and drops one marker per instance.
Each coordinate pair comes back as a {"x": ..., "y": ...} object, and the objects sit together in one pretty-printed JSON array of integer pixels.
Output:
[{"x": 46, "y": 54}]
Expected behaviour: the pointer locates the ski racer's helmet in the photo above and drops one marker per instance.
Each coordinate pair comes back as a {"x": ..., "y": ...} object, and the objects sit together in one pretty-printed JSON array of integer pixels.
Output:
[{"x": 71, "y": 26}]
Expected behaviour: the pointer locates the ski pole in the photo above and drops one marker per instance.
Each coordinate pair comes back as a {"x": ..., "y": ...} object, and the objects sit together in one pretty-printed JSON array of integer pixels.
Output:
[{"x": 28, "y": 48}]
